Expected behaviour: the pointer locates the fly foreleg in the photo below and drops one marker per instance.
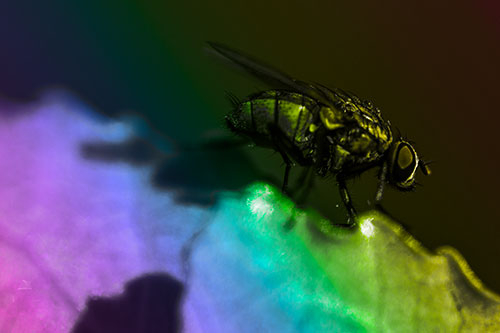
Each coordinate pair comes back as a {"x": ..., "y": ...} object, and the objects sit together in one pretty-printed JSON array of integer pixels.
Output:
[{"x": 382, "y": 179}]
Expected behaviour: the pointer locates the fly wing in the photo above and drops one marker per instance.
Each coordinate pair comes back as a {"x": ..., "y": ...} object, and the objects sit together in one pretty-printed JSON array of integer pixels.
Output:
[{"x": 270, "y": 75}]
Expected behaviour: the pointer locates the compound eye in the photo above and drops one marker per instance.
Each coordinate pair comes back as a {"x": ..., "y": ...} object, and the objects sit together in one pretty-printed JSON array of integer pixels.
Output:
[
  {"x": 406, "y": 163},
  {"x": 405, "y": 157}
]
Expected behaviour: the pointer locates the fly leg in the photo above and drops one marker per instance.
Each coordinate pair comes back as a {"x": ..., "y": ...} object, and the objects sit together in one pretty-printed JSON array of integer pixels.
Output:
[
  {"x": 382, "y": 179},
  {"x": 288, "y": 167},
  {"x": 288, "y": 163},
  {"x": 346, "y": 198},
  {"x": 288, "y": 151},
  {"x": 276, "y": 137}
]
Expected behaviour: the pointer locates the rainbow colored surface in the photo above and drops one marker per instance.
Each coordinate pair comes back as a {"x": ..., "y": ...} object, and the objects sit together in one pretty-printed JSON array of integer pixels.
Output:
[{"x": 72, "y": 227}]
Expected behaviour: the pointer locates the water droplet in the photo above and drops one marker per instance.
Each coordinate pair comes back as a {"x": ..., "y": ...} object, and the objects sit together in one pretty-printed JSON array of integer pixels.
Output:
[{"x": 337, "y": 206}]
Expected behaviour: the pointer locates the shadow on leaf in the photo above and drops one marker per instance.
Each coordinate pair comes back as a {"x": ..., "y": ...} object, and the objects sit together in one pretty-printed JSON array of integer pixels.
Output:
[{"x": 150, "y": 303}]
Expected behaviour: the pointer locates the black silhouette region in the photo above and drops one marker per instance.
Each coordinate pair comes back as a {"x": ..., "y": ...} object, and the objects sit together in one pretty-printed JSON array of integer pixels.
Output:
[
  {"x": 196, "y": 176},
  {"x": 135, "y": 151},
  {"x": 193, "y": 174},
  {"x": 149, "y": 304}
]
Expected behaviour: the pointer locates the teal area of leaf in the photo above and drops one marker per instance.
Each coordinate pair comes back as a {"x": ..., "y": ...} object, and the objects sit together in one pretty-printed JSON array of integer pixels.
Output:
[{"x": 317, "y": 277}]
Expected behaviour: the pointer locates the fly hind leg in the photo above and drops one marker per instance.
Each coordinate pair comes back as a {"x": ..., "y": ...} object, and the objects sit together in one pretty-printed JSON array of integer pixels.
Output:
[
  {"x": 288, "y": 151},
  {"x": 346, "y": 199},
  {"x": 276, "y": 136},
  {"x": 288, "y": 163}
]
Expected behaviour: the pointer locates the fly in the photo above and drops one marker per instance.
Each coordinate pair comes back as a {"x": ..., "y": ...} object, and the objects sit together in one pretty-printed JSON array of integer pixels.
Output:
[{"x": 331, "y": 130}]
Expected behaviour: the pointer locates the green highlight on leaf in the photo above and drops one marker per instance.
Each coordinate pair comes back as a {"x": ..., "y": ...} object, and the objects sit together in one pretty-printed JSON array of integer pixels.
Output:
[{"x": 323, "y": 278}]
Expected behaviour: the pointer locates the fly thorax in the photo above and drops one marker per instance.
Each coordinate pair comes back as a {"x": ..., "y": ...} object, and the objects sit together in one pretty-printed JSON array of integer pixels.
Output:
[{"x": 331, "y": 118}]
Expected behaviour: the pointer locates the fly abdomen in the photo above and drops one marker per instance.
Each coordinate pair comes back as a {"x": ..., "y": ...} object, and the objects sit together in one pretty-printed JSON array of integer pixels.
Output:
[{"x": 290, "y": 113}]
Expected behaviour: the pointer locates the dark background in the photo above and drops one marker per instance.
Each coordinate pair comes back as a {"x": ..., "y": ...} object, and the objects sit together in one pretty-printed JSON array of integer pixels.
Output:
[{"x": 432, "y": 67}]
